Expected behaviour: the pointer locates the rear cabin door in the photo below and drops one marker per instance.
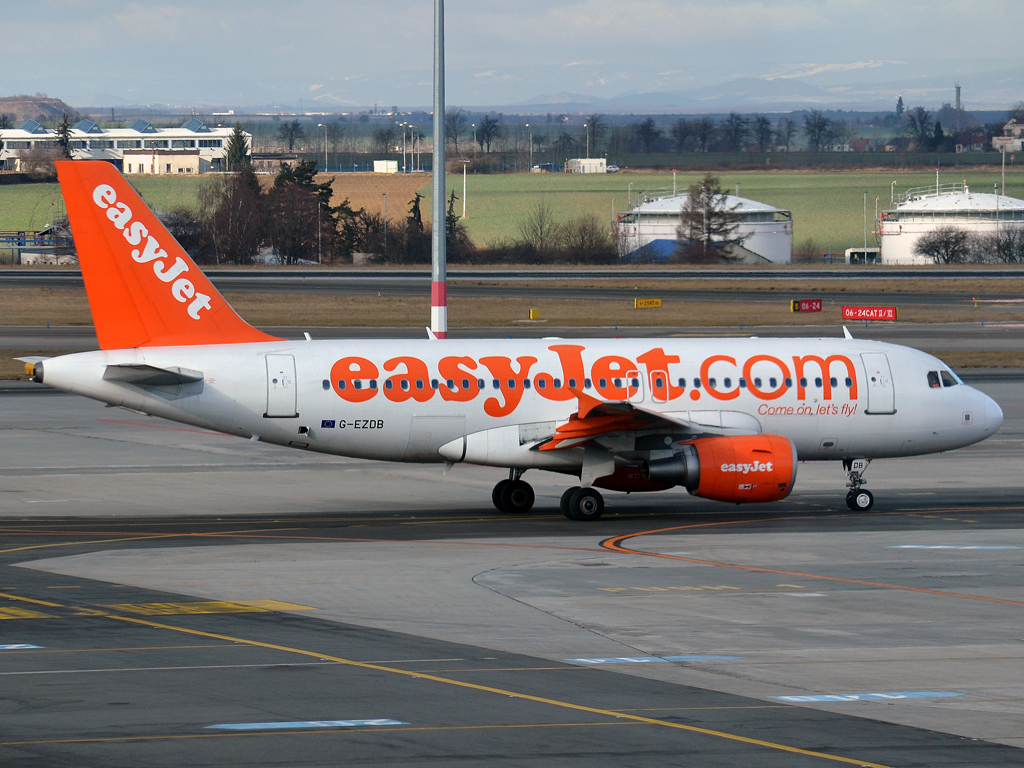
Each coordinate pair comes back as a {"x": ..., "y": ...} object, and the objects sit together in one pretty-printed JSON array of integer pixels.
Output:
[
  {"x": 881, "y": 395},
  {"x": 280, "y": 387}
]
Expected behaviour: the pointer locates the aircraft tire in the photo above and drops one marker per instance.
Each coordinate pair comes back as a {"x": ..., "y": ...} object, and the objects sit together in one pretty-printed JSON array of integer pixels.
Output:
[
  {"x": 496, "y": 495},
  {"x": 564, "y": 503},
  {"x": 517, "y": 497},
  {"x": 860, "y": 501},
  {"x": 586, "y": 504}
]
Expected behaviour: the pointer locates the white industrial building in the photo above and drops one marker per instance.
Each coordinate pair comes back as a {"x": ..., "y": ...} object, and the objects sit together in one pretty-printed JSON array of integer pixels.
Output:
[
  {"x": 923, "y": 210},
  {"x": 193, "y": 147},
  {"x": 587, "y": 165},
  {"x": 650, "y": 228}
]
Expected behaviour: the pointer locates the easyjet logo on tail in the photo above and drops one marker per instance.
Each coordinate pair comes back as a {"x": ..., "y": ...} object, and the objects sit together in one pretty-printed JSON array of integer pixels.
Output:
[{"x": 150, "y": 252}]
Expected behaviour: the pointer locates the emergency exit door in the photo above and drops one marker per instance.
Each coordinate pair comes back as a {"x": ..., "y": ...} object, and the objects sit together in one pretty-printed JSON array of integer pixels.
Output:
[
  {"x": 280, "y": 387},
  {"x": 881, "y": 395}
]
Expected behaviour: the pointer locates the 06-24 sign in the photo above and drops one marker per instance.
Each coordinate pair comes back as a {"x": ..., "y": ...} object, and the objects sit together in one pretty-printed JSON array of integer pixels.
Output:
[{"x": 870, "y": 313}]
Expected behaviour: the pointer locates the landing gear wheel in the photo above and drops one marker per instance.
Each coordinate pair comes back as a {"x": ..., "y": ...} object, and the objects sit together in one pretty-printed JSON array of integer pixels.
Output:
[
  {"x": 496, "y": 494},
  {"x": 860, "y": 500},
  {"x": 564, "y": 503},
  {"x": 516, "y": 496},
  {"x": 586, "y": 504}
]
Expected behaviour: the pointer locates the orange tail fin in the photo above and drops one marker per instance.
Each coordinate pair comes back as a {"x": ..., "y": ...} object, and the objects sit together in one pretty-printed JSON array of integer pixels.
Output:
[{"x": 144, "y": 290}]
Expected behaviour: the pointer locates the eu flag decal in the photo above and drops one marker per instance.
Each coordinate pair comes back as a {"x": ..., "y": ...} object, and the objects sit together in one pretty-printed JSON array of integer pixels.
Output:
[{"x": 327, "y": 424}]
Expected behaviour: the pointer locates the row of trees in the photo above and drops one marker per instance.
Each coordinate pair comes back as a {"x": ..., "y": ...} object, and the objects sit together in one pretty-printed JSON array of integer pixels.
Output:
[{"x": 952, "y": 245}]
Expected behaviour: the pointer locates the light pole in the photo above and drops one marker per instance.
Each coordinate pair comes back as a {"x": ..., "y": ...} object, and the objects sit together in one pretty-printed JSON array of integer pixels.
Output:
[
  {"x": 403, "y": 147},
  {"x": 629, "y": 195},
  {"x": 321, "y": 125},
  {"x": 385, "y": 223},
  {"x": 464, "y": 164},
  {"x": 531, "y": 148},
  {"x": 586, "y": 128}
]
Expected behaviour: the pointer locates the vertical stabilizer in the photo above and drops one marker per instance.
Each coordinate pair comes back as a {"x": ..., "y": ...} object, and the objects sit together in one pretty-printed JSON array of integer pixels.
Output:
[{"x": 144, "y": 289}]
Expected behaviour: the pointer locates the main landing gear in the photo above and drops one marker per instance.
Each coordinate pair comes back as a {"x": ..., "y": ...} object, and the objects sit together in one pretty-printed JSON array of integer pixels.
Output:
[
  {"x": 858, "y": 499},
  {"x": 513, "y": 495},
  {"x": 583, "y": 504}
]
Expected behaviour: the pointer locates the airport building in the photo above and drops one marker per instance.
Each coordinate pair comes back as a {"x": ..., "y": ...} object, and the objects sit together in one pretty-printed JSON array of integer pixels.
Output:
[
  {"x": 648, "y": 230},
  {"x": 923, "y": 210},
  {"x": 138, "y": 148}
]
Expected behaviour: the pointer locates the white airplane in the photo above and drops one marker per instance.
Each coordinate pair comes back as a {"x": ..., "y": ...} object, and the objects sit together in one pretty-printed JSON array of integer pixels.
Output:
[{"x": 727, "y": 419}]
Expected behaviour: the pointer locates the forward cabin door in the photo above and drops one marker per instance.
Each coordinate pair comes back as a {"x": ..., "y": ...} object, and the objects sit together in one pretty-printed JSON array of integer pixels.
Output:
[
  {"x": 280, "y": 387},
  {"x": 881, "y": 395}
]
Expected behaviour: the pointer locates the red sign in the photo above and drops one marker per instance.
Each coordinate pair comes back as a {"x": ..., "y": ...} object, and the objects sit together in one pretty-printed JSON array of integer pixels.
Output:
[
  {"x": 870, "y": 313},
  {"x": 807, "y": 305}
]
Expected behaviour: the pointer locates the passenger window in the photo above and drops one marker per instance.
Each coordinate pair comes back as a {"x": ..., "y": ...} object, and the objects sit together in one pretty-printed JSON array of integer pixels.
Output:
[
  {"x": 526, "y": 383},
  {"x": 803, "y": 382},
  {"x": 817, "y": 382},
  {"x": 419, "y": 383},
  {"x": 603, "y": 383},
  {"x": 405, "y": 384},
  {"x": 789, "y": 382},
  {"x": 933, "y": 379},
  {"x": 327, "y": 384},
  {"x": 557, "y": 383},
  {"x": 849, "y": 381},
  {"x": 743, "y": 383},
  {"x": 511, "y": 383},
  {"x": 617, "y": 383},
  {"x": 948, "y": 380},
  {"x": 728, "y": 383},
  {"x": 541, "y": 384},
  {"x": 634, "y": 383},
  {"x": 433, "y": 384},
  {"x": 388, "y": 384},
  {"x": 696, "y": 383},
  {"x": 773, "y": 383},
  {"x": 357, "y": 384},
  {"x": 712, "y": 383},
  {"x": 373, "y": 383},
  {"x": 496, "y": 384},
  {"x": 833, "y": 381},
  {"x": 480, "y": 383},
  {"x": 586, "y": 383},
  {"x": 451, "y": 384},
  {"x": 341, "y": 383},
  {"x": 572, "y": 383},
  {"x": 465, "y": 383},
  {"x": 682, "y": 383}
]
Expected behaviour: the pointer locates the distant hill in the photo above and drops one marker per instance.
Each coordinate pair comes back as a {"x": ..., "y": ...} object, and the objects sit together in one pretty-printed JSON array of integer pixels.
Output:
[{"x": 39, "y": 107}]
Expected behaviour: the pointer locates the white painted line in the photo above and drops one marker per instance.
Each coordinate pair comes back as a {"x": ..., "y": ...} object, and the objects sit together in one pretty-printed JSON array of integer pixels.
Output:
[
  {"x": 650, "y": 659},
  {"x": 804, "y": 594},
  {"x": 947, "y": 546},
  {"x": 846, "y": 697},
  {"x": 303, "y": 724},
  {"x": 19, "y": 647}
]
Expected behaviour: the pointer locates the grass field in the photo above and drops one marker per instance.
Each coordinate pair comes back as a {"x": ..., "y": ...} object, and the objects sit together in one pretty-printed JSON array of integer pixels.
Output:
[{"x": 827, "y": 206}]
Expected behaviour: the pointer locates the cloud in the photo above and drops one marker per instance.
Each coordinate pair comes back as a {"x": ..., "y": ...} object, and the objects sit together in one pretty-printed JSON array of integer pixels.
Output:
[{"x": 808, "y": 70}]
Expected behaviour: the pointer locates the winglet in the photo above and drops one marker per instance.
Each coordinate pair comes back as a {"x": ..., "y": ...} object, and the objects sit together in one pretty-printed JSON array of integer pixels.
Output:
[
  {"x": 144, "y": 289},
  {"x": 846, "y": 333}
]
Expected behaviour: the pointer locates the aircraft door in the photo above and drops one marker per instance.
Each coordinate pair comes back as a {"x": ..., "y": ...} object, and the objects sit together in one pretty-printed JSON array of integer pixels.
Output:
[
  {"x": 280, "y": 387},
  {"x": 881, "y": 395}
]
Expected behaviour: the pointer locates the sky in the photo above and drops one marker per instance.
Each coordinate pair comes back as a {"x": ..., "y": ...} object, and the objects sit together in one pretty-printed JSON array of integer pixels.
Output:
[{"x": 336, "y": 55}]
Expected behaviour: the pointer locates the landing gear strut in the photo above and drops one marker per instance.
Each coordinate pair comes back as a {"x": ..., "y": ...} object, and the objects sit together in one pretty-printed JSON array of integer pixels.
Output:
[
  {"x": 513, "y": 495},
  {"x": 858, "y": 499}
]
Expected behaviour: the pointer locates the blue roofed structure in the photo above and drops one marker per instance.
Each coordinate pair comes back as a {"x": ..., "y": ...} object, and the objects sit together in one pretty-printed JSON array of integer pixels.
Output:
[
  {"x": 142, "y": 126},
  {"x": 32, "y": 126},
  {"x": 195, "y": 125},
  {"x": 87, "y": 126}
]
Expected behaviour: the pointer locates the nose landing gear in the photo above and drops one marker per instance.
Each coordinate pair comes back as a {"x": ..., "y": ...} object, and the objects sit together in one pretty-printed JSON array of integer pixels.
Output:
[{"x": 858, "y": 499}]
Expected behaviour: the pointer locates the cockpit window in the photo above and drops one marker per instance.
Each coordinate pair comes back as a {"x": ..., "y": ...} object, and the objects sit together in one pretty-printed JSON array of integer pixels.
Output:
[
  {"x": 947, "y": 379},
  {"x": 933, "y": 379}
]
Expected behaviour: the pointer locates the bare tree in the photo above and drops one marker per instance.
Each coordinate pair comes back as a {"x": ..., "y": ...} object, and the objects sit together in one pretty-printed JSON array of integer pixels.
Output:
[
  {"x": 596, "y": 128},
  {"x": 647, "y": 133},
  {"x": 734, "y": 130},
  {"x": 920, "y": 120},
  {"x": 383, "y": 140},
  {"x": 840, "y": 134},
  {"x": 488, "y": 131},
  {"x": 785, "y": 132},
  {"x": 944, "y": 245},
  {"x": 290, "y": 133},
  {"x": 817, "y": 128},
  {"x": 682, "y": 130},
  {"x": 762, "y": 129},
  {"x": 454, "y": 124},
  {"x": 704, "y": 130},
  {"x": 539, "y": 230}
]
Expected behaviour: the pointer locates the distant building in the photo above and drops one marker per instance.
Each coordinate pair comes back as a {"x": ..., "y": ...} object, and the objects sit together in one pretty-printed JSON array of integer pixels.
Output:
[
  {"x": 1011, "y": 140},
  {"x": 923, "y": 210},
  {"x": 860, "y": 145},
  {"x": 648, "y": 230},
  {"x": 587, "y": 165},
  {"x": 90, "y": 142},
  {"x": 162, "y": 162}
]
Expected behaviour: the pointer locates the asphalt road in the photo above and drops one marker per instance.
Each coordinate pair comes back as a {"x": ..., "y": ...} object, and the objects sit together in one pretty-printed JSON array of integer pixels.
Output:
[{"x": 170, "y": 596}]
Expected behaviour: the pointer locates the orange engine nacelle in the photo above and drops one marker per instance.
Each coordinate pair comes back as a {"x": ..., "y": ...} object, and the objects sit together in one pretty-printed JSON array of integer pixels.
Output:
[{"x": 738, "y": 469}]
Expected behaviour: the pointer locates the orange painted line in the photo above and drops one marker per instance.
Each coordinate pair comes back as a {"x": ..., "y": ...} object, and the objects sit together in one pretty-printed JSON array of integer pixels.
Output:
[{"x": 614, "y": 544}]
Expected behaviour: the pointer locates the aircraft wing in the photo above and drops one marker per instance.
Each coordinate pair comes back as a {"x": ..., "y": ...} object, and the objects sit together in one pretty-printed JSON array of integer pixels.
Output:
[{"x": 596, "y": 418}]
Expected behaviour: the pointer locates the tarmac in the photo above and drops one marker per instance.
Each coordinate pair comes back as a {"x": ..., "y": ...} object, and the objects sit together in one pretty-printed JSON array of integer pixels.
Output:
[{"x": 173, "y": 596}]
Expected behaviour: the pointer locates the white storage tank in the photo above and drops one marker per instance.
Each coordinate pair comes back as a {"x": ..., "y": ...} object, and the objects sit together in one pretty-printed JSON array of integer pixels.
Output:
[
  {"x": 923, "y": 210},
  {"x": 767, "y": 230}
]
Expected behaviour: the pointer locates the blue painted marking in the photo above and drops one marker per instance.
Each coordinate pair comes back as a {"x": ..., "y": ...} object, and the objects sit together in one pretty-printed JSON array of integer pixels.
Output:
[
  {"x": 841, "y": 697},
  {"x": 945, "y": 546},
  {"x": 303, "y": 724},
  {"x": 650, "y": 659},
  {"x": 327, "y": 424},
  {"x": 19, "y": 647}
]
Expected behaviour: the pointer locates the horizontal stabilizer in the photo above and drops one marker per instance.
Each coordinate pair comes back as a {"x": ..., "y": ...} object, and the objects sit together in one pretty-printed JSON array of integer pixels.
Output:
[
  {"x": 31, "y": 359},
  {"x": 151, "y": 376}
]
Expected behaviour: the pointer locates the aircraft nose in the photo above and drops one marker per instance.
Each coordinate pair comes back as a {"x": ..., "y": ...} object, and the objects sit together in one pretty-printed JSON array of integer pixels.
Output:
[{"x": 993, "y": 414}]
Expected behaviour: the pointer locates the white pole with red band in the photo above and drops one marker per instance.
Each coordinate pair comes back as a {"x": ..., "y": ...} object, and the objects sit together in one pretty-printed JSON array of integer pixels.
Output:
[{"x": 439, "y": 272}]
